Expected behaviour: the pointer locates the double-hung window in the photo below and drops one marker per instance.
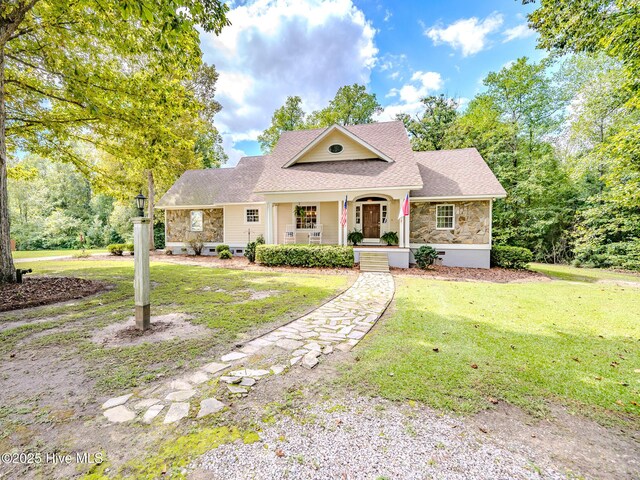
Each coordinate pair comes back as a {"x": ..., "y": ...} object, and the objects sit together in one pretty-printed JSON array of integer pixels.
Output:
[
  {"x": 445, "y": 219},
  {"x": 197, "y": 222},
  {"x": 306, "y": 217},
  {"x": 252, "y": 215}
]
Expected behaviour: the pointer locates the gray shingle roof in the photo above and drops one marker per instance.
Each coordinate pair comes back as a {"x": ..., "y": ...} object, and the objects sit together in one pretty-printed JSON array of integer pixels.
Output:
[
  {"x": 450, "y": 173},
  {"x": 389, "y": 138},
  {"x": 443, "y": 173},
  {"x": 216, "y": 185}
]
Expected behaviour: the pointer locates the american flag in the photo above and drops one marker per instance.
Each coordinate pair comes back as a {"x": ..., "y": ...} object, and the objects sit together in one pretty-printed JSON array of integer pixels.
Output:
[{"x": 343, "y": 218}]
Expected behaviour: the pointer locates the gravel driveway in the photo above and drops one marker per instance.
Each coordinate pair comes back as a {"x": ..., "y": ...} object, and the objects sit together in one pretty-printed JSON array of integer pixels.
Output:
[{"x": 369, "y": 439}]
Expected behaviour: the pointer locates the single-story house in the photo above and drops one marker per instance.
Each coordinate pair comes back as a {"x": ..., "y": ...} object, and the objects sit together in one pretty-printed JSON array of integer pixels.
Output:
[{"x": 297, "y": 194}]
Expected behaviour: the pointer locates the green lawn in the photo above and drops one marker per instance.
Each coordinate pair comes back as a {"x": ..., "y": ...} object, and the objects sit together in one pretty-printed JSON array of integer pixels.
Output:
[
  {"x": 577, "y": 343},
  {"x": 52, "y": 253},
  {"x": 565, "y": 272},
  {"x": 219, "y": 299}
]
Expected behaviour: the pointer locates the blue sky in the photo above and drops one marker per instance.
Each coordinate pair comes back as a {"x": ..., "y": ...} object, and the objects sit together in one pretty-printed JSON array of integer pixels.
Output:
[{"x": 401, "y": 50}]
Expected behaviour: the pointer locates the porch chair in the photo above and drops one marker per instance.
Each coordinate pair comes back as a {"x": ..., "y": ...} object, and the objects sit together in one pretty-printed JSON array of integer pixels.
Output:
[
  {"x": 315, "y": 235},
  {"x": 290, "y": 234}
]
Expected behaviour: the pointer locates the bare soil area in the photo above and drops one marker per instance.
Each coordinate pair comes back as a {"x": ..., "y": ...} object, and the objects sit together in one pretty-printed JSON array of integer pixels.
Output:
[
  {"x": 495, "y": 275},
  {"x": 45, "y": 290},
  {"x": 163, "y": 327}
]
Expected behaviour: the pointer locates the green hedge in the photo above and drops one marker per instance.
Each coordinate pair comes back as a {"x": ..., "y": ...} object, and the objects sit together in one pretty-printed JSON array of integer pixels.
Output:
[
  {"x": 304, "y": 255},
  {"x": 118, "y": 248},
  {"x": 510, "y": 257}
]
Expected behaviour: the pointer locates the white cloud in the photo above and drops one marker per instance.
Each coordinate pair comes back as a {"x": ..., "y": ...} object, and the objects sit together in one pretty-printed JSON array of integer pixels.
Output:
[
  {"x": 276, "y": 48},
  {"x": 422, "y": 83},
  {"x": 469, "y": 35},
  {"x": 387, "y": 15},
  {"x": 519, "y": 31},
  {"x": 409, "y": 95}
]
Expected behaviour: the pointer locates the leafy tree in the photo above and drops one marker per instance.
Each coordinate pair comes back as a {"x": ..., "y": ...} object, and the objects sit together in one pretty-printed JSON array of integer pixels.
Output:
[
  {"x": 607, "y": 118},
  {"x": 510, "y": 124},
  {"x": 116, "y": 84},
  {"x": 429, "y": 129},
  {"x": 286, "y": 118},
  {"x": 609, "y": 26},
  {"x": 352, "y": 105}
]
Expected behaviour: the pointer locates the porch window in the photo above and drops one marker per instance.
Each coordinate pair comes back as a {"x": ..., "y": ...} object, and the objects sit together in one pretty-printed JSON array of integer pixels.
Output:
[
  {"x": 384, "y": 213},
  {"x": 358, "y": 215},
  {"x": 196, "y": 220},
  {"x": 252, "y": 215},
  {"x": 306, "y": 217},
  {"x": 444, "y": 217}
]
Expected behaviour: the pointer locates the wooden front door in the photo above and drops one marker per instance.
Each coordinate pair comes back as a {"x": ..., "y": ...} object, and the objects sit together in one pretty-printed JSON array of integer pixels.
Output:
[{"x": 371, "y": 220}]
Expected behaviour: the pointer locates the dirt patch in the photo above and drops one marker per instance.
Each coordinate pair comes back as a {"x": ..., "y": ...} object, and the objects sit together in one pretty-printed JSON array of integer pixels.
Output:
[
  {"x": 36, "y": 291},
  {"x": 163, "y": 327},
  {"x": 577, "y": 443},
  {"x": 495, "y": 275}
]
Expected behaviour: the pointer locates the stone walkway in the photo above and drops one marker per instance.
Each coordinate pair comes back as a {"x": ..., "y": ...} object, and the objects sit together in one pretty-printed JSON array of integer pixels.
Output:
[{"x": 339, "y": 324}]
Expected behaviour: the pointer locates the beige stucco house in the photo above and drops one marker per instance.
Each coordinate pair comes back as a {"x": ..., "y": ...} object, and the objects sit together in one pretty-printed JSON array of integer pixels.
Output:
[{"x": 296, "y": 195}]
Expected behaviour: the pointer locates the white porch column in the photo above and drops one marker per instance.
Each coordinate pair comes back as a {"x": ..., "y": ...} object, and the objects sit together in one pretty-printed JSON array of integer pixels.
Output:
[
  {"x": 340, "y": 229},
  {"x": 269, "y": 219},
  {"x": 401, "y": 228}
]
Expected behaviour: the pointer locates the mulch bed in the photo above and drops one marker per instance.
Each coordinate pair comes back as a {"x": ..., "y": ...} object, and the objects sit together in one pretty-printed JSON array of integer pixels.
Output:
[
  {"x": 496, "y": 275},
  {"x": 36, "y": 291}
]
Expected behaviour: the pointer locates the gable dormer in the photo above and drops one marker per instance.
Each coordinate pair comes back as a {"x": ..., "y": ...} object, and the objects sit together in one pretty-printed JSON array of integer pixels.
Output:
[{"x": 336, "y": 143}]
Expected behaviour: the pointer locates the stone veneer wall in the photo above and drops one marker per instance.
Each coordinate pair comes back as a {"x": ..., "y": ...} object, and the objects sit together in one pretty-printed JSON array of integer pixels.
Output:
[
  {"x": 472, "y": 223},
  {"x": 179, "y": 224}
]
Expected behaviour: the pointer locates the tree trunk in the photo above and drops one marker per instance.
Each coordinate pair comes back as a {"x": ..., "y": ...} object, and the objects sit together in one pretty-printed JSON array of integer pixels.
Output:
[
  {"x": 151, "y": 203},
  {"x": 7, "y": 270}
]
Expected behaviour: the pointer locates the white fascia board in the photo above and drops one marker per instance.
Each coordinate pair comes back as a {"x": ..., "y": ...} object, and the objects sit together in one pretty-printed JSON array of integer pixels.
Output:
[
  {"x": 217, "y": 205},
  {"x": 371, "y": 190},
  {"x": 458, "y": 197}
]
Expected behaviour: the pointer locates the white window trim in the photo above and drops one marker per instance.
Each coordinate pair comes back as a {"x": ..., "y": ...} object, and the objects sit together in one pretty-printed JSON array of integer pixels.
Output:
[
  {"x": 259, "y": 222},
  {"x": 191, "y": 220},
  {"x": 453, "y": 208},
  {"x": 295, "y": 218}
]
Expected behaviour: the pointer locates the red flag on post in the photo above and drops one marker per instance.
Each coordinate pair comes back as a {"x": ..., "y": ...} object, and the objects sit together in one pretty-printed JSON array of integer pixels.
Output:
[{"x": 404, "y": 208}]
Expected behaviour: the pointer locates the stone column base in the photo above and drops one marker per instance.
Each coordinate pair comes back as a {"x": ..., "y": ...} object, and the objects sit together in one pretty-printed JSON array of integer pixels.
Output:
[{"x": 143, "y": 317}]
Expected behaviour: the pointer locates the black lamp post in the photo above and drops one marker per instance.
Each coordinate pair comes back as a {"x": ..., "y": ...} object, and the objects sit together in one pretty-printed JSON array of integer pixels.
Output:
[{"x": 140, "y": 201}]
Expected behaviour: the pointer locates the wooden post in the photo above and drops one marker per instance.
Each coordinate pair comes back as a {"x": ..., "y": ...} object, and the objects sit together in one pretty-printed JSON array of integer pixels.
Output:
[{"x": 141, "y": 282}]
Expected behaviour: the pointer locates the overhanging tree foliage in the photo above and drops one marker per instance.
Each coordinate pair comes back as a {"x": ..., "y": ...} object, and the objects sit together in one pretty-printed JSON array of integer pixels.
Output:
[
  {"x": 108, "y": 73},
  {"x": 352, "y": 105}
]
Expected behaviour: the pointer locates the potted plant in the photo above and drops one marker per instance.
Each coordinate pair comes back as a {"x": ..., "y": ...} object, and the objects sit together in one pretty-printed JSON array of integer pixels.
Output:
[
  {"x": 300, "y": 211},
  {"x": 390, "y": 238},
  {"x": 355, "y": 237}
]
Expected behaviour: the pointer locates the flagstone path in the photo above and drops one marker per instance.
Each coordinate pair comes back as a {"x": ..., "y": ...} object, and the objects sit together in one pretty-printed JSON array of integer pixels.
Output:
[{"x": 337, "y": 325}]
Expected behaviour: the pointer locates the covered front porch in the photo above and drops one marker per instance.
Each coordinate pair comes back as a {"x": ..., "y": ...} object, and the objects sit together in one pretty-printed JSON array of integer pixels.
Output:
[{"x": 308, "y": 217}]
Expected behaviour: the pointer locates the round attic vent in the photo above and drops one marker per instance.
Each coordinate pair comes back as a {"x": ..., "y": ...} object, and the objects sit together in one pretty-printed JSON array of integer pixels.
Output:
[{"x": 336, "y": 148}]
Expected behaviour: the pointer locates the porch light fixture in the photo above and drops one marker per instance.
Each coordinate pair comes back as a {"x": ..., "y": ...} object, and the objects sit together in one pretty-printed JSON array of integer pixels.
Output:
[{"x": 140, "y": 201}]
